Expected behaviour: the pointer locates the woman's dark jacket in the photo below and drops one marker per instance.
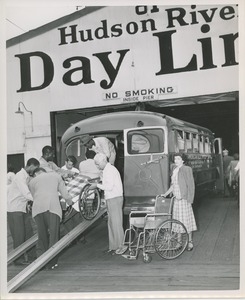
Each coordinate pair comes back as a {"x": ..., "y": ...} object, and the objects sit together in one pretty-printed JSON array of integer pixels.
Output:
[{"x": 186, "y": 183}]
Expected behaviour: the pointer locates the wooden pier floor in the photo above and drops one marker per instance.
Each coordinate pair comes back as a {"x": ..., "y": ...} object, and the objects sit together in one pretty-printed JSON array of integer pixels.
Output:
[{"x": 213, "y": 264}]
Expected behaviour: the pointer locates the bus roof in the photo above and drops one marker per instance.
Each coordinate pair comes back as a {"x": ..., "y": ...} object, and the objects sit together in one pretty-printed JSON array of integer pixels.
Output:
[{"x": 118, "y": 121}]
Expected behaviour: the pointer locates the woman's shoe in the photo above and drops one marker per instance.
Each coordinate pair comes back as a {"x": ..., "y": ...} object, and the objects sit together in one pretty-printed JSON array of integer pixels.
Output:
[
  {"x": 108, "y": 251},
  {"x": 190, "y": 246}
]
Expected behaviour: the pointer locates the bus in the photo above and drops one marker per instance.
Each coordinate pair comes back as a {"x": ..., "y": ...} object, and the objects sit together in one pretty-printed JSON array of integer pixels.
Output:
[{"x": 145, "y": 143}]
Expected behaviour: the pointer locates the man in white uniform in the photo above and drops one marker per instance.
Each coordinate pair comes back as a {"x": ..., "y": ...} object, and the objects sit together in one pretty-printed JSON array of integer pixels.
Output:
[
  {"x": 113, "y": 188},
  {"x": 18, "y": 197},
  {"x": 100, "y": 145}
]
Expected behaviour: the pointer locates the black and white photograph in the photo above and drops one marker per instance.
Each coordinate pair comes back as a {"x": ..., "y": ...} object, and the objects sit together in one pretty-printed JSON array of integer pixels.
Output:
[{"x": 122, "y": 144}]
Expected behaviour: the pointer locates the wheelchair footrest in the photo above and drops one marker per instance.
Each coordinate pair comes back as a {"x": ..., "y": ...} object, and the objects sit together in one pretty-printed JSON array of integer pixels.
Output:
[{"x": 130, "y": 257}]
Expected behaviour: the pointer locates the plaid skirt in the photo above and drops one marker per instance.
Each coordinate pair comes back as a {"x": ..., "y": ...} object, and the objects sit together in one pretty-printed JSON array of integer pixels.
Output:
[{"x": 183, "y": 212}]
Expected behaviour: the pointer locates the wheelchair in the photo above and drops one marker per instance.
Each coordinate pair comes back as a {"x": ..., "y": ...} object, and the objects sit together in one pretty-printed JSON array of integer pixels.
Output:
[
  {"x": 88, "y": 200},
  {"x": 155, "y": 232}
]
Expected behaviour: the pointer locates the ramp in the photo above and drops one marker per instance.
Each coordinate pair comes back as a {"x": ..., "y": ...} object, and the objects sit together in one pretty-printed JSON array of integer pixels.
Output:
[
  {"x": 14, "y": 254},
  {"x": 17, "y": 252},
  {"x": 41, "y": 261}
]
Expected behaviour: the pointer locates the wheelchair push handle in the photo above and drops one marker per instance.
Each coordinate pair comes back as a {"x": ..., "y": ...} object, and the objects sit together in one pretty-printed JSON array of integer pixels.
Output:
[{"x": 164, "y": 197}]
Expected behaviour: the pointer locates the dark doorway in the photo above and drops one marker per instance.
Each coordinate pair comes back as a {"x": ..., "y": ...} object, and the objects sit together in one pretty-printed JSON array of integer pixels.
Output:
[
  {"x": 222, "y": 118},
  {"x": 16, "y": 161}
]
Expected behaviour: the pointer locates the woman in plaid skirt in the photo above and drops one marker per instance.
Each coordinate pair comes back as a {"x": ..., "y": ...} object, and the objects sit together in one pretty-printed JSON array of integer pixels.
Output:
[{"x": 183, "y": 189}]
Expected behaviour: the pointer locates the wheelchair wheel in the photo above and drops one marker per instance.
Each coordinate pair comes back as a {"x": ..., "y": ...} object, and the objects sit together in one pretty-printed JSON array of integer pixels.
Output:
[
  {"x": 171, "y": 239},
  {"x": 89, "y": 202}
]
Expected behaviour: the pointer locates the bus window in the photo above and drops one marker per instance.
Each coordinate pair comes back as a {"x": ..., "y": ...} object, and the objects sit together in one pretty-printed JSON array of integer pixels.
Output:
[
  {"x": 172, "y": 141},
  {"x": 140, "y": 143},
  {"x": 195, "y": 142},
  {"x": 76, "y": 149},
  {"x": 180, "y": 140},
  {"x": 217, "y": 146},
  {"x": 211, "y": 143},
  {"x": 146, "y": 141},
  {"x": 201, "y": 148},
  {"x": 206, "y": 145},
  {"x": 188, "y": 142}
]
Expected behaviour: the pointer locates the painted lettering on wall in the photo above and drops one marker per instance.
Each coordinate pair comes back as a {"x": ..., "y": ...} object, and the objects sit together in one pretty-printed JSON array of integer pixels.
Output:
[{"x": 164, "y": 35}]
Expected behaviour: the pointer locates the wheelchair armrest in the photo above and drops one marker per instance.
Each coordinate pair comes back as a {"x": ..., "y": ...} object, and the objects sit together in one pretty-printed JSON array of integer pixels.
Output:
[
  {"x": 138, "y": 213},
  {"x": 157, "y": 215}
]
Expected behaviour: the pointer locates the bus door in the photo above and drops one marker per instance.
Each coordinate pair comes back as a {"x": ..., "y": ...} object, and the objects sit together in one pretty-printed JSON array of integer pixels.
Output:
[
  {"x": 146, "y": 166},
  {"x": 219, "y": 164}
]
